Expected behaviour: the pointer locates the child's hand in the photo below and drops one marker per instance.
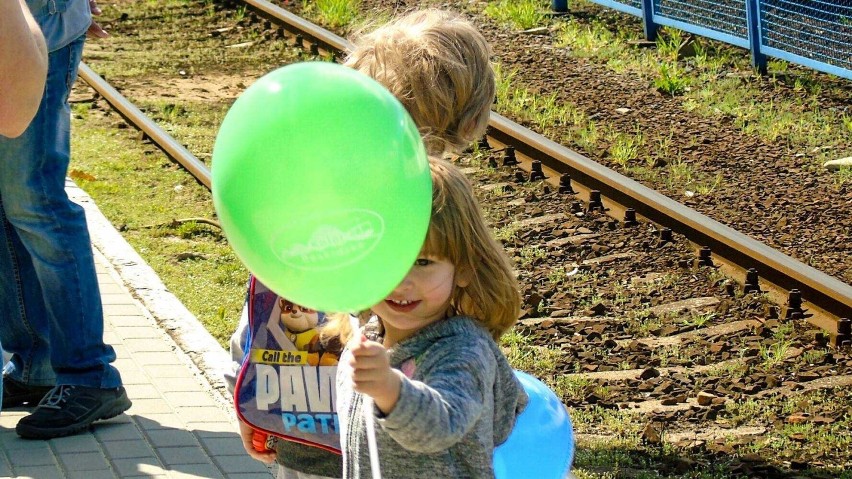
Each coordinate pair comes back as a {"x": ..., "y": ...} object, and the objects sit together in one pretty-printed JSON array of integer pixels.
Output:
[
  {"x": 372, "y": 374},
  {"x": 246, "y": 433}
]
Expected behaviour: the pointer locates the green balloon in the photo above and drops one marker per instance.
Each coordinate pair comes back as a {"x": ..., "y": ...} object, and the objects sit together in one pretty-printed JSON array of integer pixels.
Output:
[{"x": 322, "y": 186}]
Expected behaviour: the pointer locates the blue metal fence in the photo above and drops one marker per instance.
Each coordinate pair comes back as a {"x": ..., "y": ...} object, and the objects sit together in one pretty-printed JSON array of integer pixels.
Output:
[{"x": 813, "y": 33}]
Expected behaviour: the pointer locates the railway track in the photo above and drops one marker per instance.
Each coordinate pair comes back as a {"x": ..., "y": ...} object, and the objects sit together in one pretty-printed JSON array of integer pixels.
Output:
[
  {"x": 750, "y": 261},
  {"x": 633, "y": 302}
]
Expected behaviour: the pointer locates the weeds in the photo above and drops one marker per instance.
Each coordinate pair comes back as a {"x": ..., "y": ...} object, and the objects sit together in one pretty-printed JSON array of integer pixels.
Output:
[
  {"x": 530, "y": 254},
  {"x": 592, "y": 41},
  {"x": 731, "y": 369},
  {"x": 680, "y": 173},
  {"x": 774, "y": 354},
  {"x": 705, "y": 188},
  {"x": 813, "y": 356},
  {"x": 589, "y": 136},
  {"x": 847, "y": 122},
  {"x": 240, "y": 13},
  {"x": 698, "y": 320},
  {"x": 522, "y": 354},
  {"x": 625, "y": 148},
  {"x": 670, "y": 79},
  {"x": 572, "y": 387},
  {"x": 335, "y": 13},
  {"x": 519, "y": 14},
  {"x": 506, "y": 234},
  {"x": 557, "y": 275},
  {"x": 669, "y": 42}
]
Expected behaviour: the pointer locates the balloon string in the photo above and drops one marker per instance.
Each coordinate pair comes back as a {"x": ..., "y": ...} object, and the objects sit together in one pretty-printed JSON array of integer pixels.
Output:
[
  {"x": 368, "y": 412},
  {"x": 371, "y": 438}
]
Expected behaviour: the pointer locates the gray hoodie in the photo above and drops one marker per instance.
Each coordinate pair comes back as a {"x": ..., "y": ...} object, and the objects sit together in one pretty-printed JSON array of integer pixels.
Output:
[{"x": 459, "y": 402}]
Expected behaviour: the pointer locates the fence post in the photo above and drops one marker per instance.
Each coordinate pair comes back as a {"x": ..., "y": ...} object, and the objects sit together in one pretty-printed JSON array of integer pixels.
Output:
[
  {"x": 648, "y": 20},
  {"x": 559, "y": 6},
  {"x": 758, "y": 59}
]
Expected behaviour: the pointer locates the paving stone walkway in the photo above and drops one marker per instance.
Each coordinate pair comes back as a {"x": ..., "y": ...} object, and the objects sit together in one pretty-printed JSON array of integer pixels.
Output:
[{"x": 180, "y": 425}]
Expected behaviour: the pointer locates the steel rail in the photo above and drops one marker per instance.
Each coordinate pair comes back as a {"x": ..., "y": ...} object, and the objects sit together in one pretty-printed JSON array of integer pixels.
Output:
[
  {"x": 321, "y": 35},
  {"x": 135, "y": 116},
  {"x": 820, "y": 289}
]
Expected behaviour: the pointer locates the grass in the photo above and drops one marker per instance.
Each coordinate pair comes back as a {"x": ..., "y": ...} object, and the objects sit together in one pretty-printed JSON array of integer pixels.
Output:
[
  {"x": 842, "y": 177},
  {"x": 774, "y": 121},
  {"x": 625, "y": 148},
  {"x": 825, "y": 441},
  {"x": 137, "y": 188},
  {"x": 671, "y": 79},
  {"x": 507, "y": 234},
  {"x": 698, "y": 320},
  {"x": 774, "y": 354},
  {"x": 592, "y": 40},
  {"x": 522, "y": 354},
  {"x": 557, "y": 275},
  {"x": 517, "y": 14},
  {"x": 530, "y": 254},
  {"x": 333, "y": 14}
]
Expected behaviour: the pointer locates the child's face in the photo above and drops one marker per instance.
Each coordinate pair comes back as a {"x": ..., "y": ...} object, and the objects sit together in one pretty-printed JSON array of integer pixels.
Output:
[{"x": 421, "y": 299}]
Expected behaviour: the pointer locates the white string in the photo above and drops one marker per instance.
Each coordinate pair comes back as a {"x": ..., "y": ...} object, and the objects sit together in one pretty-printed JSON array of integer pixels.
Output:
[
  {"x": 371, "y": 438},
  {"x": 368, "y": 413}
]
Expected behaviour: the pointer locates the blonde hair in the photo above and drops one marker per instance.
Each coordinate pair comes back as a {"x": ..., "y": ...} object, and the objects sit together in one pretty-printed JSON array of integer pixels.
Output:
[
  {"x": 458, "y": 233},
  {"x": 437, "y": 64}
]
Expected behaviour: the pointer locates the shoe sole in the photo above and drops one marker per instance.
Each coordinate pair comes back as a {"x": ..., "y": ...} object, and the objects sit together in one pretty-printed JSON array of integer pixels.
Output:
[{"x": 29, "y": 432}]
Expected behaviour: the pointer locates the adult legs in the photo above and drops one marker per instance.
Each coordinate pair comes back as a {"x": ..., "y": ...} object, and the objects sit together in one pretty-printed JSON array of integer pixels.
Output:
[{"x": 53, "y": 318}]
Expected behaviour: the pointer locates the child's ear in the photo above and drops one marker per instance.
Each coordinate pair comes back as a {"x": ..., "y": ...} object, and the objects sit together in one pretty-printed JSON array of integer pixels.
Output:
[{"x": 463, "y": 278}]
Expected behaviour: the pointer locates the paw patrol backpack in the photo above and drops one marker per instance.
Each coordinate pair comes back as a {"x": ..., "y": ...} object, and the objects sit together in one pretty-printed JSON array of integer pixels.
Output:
[{"x": 286, "y": 384}]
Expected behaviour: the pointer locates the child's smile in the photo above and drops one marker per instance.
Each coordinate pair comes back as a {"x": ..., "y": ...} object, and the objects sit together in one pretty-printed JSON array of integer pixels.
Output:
[
  {"x": 404, "y": 306},
  {"x": 422, "y": 298}
]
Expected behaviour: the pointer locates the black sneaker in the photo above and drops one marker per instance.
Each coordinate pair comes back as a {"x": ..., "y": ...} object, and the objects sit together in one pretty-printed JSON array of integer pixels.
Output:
[
  {"x": 67, "y": 410},
  {"x": 16, "y": 393}
]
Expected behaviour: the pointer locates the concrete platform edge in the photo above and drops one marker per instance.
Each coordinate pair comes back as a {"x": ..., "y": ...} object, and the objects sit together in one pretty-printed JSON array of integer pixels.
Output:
[{"x": 145, "y": 285}]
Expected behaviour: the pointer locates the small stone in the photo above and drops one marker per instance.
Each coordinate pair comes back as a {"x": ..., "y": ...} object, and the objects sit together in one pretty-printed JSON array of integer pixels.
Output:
[
  {"x": 537, "y": 31},
  {"x": 834, "y": 165},
  {"x": 798, "y": 418},
  {"x": 623, "y": 110},
  {"x": 651, "y": 434},
  {"x": 705, "y": 399},
  {"x": 822, "y": 420},
  {"x": 598, "y": 310}
]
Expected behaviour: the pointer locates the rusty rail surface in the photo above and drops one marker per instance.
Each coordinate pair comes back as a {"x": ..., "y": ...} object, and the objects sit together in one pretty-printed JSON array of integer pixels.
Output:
[
  {"x": 135, "y": 117},
  {"x": 831, "y": 297}
]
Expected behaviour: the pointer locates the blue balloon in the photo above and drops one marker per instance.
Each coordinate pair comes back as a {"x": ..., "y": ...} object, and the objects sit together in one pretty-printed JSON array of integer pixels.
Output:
[{"x": 541, "y": 444}]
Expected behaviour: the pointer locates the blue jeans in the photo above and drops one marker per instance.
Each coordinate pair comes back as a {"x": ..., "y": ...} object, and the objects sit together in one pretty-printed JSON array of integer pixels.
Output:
[{"x": 52, "y": 318}]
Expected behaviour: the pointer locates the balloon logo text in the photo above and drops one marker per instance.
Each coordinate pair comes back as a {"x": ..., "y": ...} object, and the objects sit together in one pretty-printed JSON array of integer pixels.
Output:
[{"x": 331, "y": 241}]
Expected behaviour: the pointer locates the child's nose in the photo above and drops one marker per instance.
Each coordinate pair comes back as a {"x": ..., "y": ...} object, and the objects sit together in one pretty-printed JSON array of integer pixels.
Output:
[{"x": 405, "y": 284}]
